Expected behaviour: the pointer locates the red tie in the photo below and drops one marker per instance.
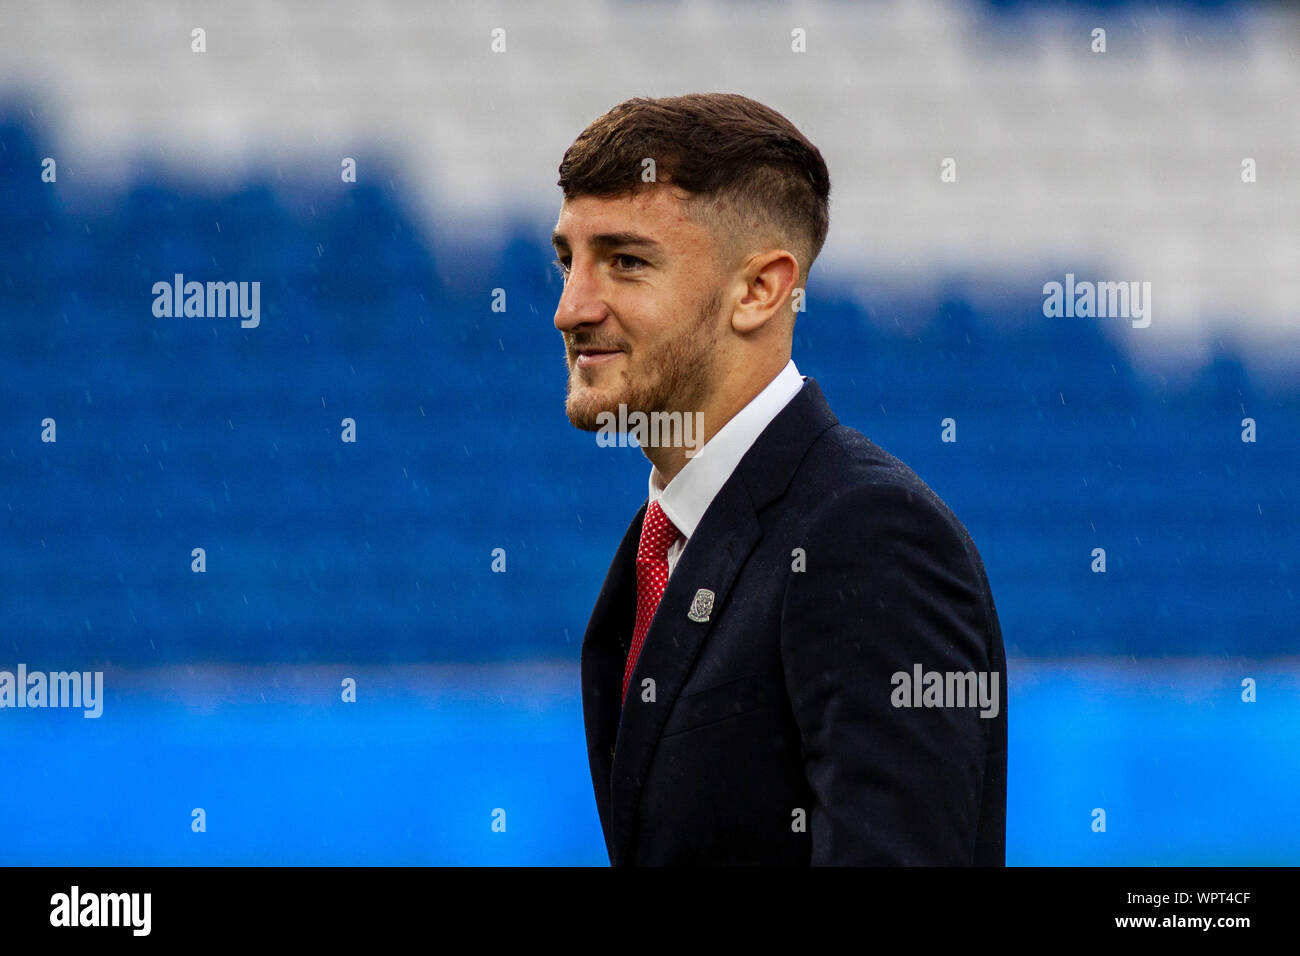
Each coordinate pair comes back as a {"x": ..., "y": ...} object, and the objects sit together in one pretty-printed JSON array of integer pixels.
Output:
[{"x": 657, "y": 534}]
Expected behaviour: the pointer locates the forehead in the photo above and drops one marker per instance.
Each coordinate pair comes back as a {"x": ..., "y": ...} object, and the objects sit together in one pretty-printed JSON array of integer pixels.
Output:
[{"x": 655, "y": 213}]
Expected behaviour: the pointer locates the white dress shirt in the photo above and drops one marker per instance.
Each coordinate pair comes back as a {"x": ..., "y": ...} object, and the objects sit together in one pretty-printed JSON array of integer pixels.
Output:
[{"x": 689, "y": 494}]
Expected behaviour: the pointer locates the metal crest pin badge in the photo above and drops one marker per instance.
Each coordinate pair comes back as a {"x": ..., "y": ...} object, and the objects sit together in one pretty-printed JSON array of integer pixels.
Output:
[{"x": 701, "y": 606}]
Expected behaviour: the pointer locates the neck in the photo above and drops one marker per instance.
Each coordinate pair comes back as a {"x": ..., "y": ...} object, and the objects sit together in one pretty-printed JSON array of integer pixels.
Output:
[{"x": 717, "y": 411}]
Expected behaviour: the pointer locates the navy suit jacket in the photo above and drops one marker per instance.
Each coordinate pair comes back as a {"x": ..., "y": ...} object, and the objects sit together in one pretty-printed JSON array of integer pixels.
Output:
[{"x": 769, "y": 734}]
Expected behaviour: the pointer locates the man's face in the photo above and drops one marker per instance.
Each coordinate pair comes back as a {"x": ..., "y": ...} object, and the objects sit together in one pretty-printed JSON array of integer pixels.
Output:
[{"x": 639, "y": 310}]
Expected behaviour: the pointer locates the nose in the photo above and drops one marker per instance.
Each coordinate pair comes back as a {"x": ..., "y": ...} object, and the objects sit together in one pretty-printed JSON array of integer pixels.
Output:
[{"x": 580, "y": 301}]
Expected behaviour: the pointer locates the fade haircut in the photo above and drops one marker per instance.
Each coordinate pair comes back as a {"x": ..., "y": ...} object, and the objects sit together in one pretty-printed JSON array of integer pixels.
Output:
[{"x": 754, "y": 180}]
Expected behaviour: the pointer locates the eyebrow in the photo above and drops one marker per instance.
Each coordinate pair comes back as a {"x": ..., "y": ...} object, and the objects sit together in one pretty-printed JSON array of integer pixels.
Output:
[{"x": 605, "y": 240}]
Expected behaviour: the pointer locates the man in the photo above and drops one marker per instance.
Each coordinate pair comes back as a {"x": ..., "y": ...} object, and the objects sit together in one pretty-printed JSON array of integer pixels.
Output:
[{"x": 756, "y": 674}]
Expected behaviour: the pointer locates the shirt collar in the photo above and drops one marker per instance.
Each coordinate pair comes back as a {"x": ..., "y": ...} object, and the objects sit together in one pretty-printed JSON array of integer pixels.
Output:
[{"x": 689, "y": 494}]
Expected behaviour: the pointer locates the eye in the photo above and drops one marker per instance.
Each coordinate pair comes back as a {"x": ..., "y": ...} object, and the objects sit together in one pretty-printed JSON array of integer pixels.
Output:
[{"x": 622, "y": 258}]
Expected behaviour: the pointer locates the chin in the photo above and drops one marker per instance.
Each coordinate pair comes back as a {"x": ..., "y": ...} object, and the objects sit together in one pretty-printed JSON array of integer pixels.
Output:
[{"x": 585, "y": 405}]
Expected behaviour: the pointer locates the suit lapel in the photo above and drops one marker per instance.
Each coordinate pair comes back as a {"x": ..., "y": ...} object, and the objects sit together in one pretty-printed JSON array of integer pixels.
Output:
[
  {"x": 724, "y": 538},
  {"x": 604, "y": 653}
]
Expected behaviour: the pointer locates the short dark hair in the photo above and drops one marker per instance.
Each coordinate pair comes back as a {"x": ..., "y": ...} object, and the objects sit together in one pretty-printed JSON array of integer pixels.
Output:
[{"x": 751, "y": 174}]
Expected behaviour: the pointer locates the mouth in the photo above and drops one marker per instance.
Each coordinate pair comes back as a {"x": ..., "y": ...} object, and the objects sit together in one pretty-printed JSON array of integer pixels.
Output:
[{"x": 589, "y": 358}]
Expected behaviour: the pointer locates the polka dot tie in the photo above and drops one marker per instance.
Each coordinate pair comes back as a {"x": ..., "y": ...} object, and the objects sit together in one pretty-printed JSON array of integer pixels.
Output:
[{"x": 657, "y": 535}]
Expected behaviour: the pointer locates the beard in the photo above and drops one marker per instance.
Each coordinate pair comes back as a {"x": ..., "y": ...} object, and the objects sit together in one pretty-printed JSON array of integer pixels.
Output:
[{"x": 676, "y": 376}]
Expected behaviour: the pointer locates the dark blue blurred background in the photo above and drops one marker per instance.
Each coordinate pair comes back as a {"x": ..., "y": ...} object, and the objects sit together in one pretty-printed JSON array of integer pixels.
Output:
[{"x": 183, "y": 432}]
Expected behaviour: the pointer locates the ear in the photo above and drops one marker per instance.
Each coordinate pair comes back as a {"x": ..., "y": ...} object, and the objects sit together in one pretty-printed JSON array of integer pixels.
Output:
[{"x": 769, "y": 279}]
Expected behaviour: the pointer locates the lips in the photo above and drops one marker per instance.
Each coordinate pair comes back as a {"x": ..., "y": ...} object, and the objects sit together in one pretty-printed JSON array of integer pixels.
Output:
[{"x": 588, "y": 358}]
